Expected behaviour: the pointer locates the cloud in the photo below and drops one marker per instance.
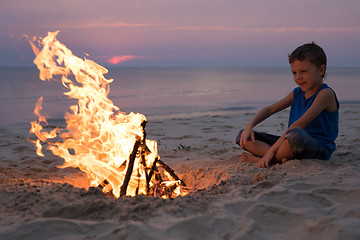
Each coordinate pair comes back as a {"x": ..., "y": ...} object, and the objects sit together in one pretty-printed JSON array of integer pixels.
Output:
[
  {"x": 266, "y": 29},
  {"x": 108, "y": 25},
  {"x": 119, "y": 59}
]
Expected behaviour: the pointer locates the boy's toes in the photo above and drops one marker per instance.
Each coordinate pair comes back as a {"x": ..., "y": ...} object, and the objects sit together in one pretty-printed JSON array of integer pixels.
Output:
[{"x": 243, "y": 157}]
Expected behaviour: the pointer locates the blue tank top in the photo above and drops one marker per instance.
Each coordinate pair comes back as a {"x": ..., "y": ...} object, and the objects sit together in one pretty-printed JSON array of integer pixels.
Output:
[{"x": 325, "y": 127}]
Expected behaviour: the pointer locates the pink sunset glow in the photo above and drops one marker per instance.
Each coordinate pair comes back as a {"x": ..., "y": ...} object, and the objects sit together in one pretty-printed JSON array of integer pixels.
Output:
[{"x": 120, "y": 59}]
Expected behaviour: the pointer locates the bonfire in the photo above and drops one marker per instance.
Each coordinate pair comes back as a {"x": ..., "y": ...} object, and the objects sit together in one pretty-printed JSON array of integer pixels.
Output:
[{"x": 110, "y": 146}]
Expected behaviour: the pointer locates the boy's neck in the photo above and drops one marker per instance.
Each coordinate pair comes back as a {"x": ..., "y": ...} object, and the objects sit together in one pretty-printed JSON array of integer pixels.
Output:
[{"x": 309, "y": 93}]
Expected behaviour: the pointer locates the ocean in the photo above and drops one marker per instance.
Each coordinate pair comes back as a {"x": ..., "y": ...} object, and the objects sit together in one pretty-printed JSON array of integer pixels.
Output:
[{"x": 166, "y": 92}]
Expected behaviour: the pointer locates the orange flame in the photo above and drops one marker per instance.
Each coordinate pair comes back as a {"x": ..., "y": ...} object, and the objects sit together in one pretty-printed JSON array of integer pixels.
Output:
[{"x": 98, "y": 138}]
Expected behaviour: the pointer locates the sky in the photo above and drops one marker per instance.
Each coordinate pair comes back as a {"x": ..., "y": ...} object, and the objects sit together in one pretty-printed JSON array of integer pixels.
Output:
[{"x": 183, "y": 33}]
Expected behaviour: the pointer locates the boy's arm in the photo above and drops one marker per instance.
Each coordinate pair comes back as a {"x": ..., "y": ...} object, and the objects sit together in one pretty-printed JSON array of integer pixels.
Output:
[
  {"x": 324, "y": 100},
  {"x": 262, "y": 115}
]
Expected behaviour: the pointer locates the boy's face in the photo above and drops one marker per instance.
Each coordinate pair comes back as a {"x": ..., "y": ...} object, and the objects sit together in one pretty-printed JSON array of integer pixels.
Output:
[{"x": 307, "y": 76}]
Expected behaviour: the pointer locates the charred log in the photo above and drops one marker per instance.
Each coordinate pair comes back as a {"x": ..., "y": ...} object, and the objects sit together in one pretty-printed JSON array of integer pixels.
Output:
[
  {"x": 130, "y": 168},
  {"x": 170, "y": 171},
  {"x": 152, "y": 173}
]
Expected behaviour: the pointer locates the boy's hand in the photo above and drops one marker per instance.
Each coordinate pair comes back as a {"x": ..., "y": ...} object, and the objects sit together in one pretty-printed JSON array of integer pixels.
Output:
[
  {"x": 247, "y": 132},
  {"x": 266, "y": 160}
]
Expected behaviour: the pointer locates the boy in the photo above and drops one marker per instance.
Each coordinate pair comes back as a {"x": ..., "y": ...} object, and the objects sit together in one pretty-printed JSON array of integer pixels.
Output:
[{"x": 313, "y": 121}]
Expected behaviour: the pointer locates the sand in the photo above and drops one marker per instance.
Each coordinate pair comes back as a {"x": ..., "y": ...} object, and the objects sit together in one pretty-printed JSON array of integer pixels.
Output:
[{"x": 301, "y": 199}]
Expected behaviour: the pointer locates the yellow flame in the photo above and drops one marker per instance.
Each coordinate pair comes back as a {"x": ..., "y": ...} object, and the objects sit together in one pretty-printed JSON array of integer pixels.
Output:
[{"x": 39, "y": 148}]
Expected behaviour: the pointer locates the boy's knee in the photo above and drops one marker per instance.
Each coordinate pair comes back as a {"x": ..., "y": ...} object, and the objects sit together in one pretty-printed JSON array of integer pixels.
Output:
[
  {"x": 284, "y": 152},
  {"x": 296, "y": 138},
  {"x": 296, "y": 135}
]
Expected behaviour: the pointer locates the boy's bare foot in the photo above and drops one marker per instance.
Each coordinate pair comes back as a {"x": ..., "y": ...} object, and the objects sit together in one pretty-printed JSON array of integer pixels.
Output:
[{"x": 246, "y": 157}]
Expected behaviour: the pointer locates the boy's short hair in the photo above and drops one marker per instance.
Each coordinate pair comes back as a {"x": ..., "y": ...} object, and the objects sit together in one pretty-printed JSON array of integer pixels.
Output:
[{"x": 311, "y": 52}]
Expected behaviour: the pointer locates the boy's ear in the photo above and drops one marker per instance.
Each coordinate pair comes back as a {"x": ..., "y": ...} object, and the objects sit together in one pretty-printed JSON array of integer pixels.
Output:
[{"x": 322, "y": 69}]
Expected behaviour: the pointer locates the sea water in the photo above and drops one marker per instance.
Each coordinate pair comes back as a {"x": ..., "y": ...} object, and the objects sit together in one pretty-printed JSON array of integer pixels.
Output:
[{"x": 166, "y": 92}]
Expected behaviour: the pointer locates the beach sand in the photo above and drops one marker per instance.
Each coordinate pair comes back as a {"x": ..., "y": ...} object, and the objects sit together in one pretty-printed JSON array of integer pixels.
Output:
[{"x": 301, "y": 199}]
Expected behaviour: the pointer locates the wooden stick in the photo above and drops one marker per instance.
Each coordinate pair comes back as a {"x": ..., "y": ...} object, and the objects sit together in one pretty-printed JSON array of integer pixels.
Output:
[
  {"x": 103, "y": 184},
  {"x": 170, "y": 171},
  {"x": 140, "y": 145},
  {"x": 152, "y": 169},
  {"x": 146, "y": 171},
  {"x": 130, "y": 168},
  {"x": 145, "y": 151},
  {"x": 132, "y": 158}
]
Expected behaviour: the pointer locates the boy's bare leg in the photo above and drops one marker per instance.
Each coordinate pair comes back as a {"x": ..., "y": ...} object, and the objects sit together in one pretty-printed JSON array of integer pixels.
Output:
[
  {"x": 284, "y": 153},
  {"x": 257, "y": 148}
]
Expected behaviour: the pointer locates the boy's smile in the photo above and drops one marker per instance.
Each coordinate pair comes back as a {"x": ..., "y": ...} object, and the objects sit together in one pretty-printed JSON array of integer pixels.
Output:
[{"x": 307, "y": 76}]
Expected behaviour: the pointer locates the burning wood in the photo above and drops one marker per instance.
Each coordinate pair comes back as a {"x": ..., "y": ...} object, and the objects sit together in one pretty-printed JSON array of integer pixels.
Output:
[{"x": 105, "y": 143}]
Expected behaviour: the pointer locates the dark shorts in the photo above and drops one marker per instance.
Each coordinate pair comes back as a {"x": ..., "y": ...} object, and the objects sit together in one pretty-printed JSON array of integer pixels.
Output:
[{"x": 302, "y": 145}]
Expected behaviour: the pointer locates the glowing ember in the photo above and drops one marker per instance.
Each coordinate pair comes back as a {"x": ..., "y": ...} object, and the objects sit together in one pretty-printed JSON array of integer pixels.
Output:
[{"x": 105, "y": 143}]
